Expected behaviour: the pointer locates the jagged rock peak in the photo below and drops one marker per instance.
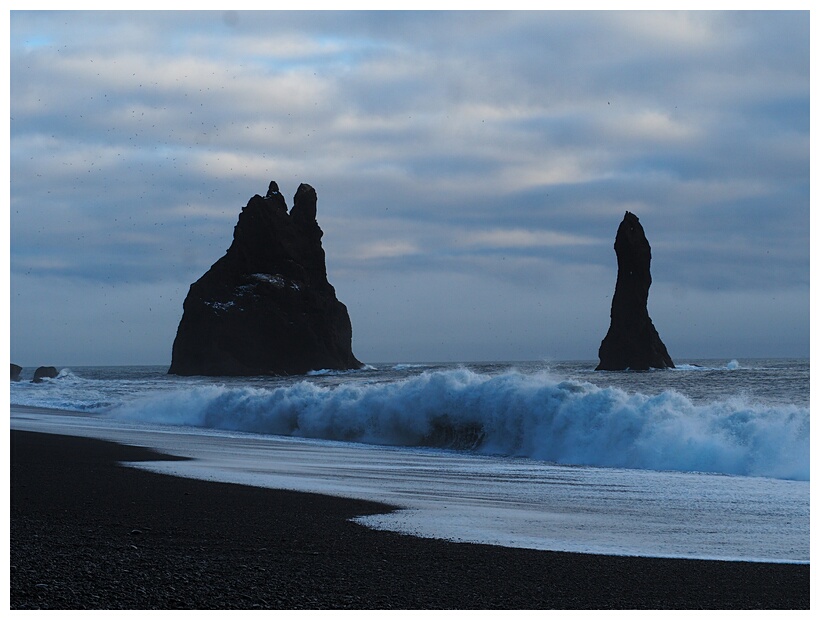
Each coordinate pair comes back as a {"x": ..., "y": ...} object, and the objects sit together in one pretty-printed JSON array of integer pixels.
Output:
[
  {"x": 266, "y": 307},
  {"x": 632, "y": 341},
  {"x": 304, "y": 204},
  {"x": 273, "y": 190}
]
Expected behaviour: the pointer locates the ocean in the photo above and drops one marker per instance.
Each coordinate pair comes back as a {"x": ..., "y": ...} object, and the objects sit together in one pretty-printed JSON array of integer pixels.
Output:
[{"x": 709, "y": 460}]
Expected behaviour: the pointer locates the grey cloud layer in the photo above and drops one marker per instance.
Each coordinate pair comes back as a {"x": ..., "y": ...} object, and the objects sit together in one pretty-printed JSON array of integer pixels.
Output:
[{"x": 458, "y": 143}]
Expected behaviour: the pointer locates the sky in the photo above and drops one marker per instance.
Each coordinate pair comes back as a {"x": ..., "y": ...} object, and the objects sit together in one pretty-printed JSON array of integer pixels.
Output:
[{"x": 472, "y": 169}]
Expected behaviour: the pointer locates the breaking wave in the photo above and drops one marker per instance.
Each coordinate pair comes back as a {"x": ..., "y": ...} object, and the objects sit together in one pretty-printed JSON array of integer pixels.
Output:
[{"x": 513, "y": 414}]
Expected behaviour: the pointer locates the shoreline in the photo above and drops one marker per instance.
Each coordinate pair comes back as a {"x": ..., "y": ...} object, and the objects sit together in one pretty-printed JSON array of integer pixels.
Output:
[{"x": 86, "y": 532}]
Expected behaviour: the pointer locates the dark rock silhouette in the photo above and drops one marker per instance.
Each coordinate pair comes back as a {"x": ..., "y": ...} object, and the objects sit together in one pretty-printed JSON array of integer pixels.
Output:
[
  {"x": 266, "y": 307},
  {"x": 44, "y": 372},
  {"x": 15, "y": 372},
  {"x": 632, "y": 341}
]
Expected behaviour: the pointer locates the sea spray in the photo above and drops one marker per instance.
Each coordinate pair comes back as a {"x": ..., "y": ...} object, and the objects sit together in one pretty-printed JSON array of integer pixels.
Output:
[{"x": 524, "y": 415}]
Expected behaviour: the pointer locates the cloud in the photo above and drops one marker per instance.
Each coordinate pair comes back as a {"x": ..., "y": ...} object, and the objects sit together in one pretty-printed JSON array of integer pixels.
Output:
[
  {"x": 520, "y": 238},
  {"x": 386, "y": 249}
]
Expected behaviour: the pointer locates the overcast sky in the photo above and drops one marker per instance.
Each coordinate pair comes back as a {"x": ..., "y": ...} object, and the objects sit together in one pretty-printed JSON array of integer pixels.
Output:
[{"x": 471, "y": 168}]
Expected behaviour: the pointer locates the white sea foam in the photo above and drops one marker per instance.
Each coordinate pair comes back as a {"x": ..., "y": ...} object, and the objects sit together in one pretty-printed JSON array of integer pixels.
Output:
[
  {"x": 512, "y": 414},
  {"x": 731, "y": 365},
  {"x": 330, "y": 371}
]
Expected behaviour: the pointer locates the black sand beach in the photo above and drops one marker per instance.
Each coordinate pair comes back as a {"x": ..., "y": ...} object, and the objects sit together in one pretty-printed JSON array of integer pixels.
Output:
[{"x": 88, "y": 533}]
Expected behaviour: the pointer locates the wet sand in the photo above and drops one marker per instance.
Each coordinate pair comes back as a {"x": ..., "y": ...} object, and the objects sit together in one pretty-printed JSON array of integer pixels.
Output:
[{"x": 86, "y": 532}]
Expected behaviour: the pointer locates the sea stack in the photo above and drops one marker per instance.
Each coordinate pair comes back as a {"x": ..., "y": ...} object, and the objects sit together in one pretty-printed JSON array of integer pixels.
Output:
[
  {"x": 44, "y": 372},
  {"x": 632, "y": 341},
  {"x": 266, "y": 307}
]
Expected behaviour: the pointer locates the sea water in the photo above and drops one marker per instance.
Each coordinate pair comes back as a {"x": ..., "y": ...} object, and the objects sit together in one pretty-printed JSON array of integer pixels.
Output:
[{"x": 709, "y": 460}]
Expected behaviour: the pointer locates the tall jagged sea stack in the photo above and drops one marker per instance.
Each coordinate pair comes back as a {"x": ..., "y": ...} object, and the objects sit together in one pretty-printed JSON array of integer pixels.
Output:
[
  {"x": 266, "y": 307},
  {"x": 632, "y": 341}
]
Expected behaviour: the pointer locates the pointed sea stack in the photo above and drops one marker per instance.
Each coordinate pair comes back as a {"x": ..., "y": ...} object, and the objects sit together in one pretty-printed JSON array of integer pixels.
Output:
[
  {"x": 266, "y": 307},
  {"x": 632, "y": 341}
]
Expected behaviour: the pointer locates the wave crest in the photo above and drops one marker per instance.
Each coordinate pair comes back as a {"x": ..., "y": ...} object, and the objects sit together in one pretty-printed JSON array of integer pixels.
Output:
[{"x": 514, "y": 414}]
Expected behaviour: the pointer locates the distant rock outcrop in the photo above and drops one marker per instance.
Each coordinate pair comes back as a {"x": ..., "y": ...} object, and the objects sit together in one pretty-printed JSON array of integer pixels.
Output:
[
  {"x": 266, "y": 307},
  {"x": 44, "y": 372},
  {"x": 15, "y": 372},
  {"x": 632, "y": 341}
]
